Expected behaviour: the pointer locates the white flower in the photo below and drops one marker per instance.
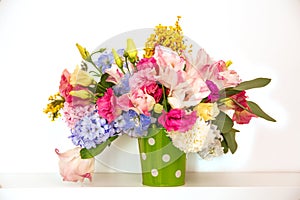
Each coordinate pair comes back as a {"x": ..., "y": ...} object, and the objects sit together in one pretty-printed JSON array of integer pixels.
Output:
[
  {"x": 203, "y": 138},
  {"x": 212, "y": 147},
  {"x": 192, "y": 140}
]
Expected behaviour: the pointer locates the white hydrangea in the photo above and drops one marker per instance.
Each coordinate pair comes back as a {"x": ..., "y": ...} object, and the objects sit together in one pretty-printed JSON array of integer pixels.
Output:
[
  {"x": 203, "y": 138},
  {"x": 212, "y": 147},
  {"x": 193, "y": 139}
]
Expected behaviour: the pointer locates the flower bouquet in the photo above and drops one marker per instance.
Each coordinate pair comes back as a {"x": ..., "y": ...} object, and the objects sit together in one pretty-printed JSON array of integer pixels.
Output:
[{"x": 173, "y": 99}]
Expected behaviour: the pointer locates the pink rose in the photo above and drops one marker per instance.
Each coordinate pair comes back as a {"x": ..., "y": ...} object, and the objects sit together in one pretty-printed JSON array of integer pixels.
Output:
[
  {"x": 107, "y": 106},
  {"x": 154, "y": 90},
  {"x": 65, "y": 87},
  {"x": 142, "y": 101},
  {"x": 146, "y": 63},
  {"x": 142, "y": 78},
  {"x": 177, "y": 120},
  {"x": 73, "y": 168},
  {"x": 240, "y": 115}
]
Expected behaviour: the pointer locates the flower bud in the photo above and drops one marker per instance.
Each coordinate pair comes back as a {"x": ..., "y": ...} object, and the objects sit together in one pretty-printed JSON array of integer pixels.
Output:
[
  {"x": 131, "y": 50},
  {"x": 158, "y": 108},
  {"x": 228, "y": 63},
  {"x": 83, "y": 94},
  {"x": 80, "y": 77},
  {"x": 83, "y": 52},
  {"x": 117, "y": 58}
]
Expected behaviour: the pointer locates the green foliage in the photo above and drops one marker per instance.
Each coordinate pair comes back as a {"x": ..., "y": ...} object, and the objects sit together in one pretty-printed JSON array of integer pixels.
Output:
[
  {"x": 223, "y": 122},
  {"x": 255, "y": 83},
  {"x": 225, "y": 125},
  {"x": 255, "y": 109},
  {"x": 90, "y": 153},
  {"x": 229, "y": 141},
  {"x": 103, "y": 85},
  {"x": 246, "y": 85}
]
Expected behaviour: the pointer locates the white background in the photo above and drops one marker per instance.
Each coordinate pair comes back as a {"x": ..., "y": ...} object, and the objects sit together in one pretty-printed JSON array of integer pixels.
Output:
[{"x": 37, "y": 41}]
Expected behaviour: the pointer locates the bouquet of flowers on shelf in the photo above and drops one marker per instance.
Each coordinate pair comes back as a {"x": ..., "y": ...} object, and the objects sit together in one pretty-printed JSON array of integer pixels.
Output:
[{"x": 166, "y": 85}]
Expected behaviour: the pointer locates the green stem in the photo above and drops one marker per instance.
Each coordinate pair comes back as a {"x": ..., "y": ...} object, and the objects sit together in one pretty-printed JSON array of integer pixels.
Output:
[
  {"x": 126, "y": 62},
  {"x": 95, "y": 66},
  {"x": 240, "y": 105},
  {"x": 99, "y": 51},
  {"x": 99, "y": 85},
  {"x": 164, "y": 99}
]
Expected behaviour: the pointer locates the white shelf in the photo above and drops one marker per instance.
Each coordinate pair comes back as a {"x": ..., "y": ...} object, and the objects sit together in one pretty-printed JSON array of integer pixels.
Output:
[{"x": 259, "y": 185}]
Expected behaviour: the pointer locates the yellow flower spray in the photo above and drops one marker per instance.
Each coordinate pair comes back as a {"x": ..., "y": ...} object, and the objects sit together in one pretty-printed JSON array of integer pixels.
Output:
[
  {"x": 53, "y": 107},
  {"x": 168, "y": 36}
]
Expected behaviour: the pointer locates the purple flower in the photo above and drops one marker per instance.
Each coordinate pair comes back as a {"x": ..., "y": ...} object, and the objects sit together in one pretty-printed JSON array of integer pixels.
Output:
[
  {"x": 106, "y": 59},
  {"x": 214, "y": 91},
  {"x": 92, "y": 130},
  {"x": 123, "y": 86},
  {"x": 136, "y": 125}
]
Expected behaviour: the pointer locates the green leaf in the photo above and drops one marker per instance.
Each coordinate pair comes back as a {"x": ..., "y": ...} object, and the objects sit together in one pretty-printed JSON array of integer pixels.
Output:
[
  {"x": 255, "y": 109},
  {"x": 230, "y": 141},
  {"x": 224, "y": 145},
  {"x": 255, "y": 83},
  {"x": 103, "y": 84},
  {"x": 223, "y": 122},
  {"x": 103, "y": 81},
  {"x": 90, "y": 153},
  {"x": 228, "y": 92}
]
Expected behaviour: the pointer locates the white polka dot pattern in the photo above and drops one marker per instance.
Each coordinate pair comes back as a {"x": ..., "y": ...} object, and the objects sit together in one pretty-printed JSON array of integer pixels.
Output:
[
  {"x": 178, "y": 174},
  {"x": 144, "y": 157},
  {"x": 151, "y": 141},
  {"x": 166, "y": 158},
  {"x": 154, "y": 172}
]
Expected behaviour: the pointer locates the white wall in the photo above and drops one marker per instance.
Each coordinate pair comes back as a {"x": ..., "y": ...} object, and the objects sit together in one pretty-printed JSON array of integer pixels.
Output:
[{"x": 37, "y": 41}]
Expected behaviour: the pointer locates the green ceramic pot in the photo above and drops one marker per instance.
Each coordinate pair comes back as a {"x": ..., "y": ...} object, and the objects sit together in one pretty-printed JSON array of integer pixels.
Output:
[{"x": 162, "y": 163}]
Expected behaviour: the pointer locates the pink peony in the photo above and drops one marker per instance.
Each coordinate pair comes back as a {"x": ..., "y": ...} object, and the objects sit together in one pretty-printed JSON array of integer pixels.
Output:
[
  {"x": 177, "y": 120},
  {"x": 73, "y": 168},
  {"x": 107, "y": 106}
]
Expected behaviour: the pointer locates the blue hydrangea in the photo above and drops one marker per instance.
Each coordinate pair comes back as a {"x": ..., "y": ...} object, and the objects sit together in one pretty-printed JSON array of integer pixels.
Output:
[
  {"x": 105, "y": 60},
  {"x": 123, "y": 86},
  {"x": 92, "y": 130},
  {"x": 136, "y": 125}
]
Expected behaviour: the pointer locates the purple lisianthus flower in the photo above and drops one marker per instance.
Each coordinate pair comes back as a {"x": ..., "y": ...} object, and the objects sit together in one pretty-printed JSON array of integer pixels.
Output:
[
  {"x": 92, "y": 130},
  {"x": 214, "y": 91},
  {"x": 106, "y": 59},
  {"x": 136, "y": 125},
  {"x": 123, "y": 86}
]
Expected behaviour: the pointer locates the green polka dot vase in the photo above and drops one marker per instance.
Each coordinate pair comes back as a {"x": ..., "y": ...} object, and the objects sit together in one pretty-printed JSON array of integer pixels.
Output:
[{"x": 163, "y": 164}]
